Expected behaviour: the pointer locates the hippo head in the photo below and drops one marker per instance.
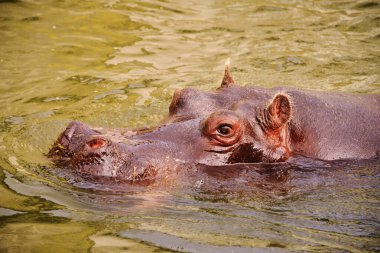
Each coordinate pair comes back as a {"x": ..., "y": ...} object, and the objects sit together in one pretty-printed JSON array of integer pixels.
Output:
[{"x": 230, "y": 125}]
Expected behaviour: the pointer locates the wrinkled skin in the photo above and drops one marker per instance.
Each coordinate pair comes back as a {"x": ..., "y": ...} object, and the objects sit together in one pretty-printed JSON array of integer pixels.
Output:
[{"x": 229, "y": 125}]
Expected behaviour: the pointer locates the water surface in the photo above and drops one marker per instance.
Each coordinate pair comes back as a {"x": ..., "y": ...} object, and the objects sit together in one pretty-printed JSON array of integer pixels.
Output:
[{"x": 116, "y": 64}]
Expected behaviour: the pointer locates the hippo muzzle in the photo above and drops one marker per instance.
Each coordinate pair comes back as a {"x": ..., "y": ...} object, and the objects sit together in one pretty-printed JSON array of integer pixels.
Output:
[{"x": 92, "y": 152}]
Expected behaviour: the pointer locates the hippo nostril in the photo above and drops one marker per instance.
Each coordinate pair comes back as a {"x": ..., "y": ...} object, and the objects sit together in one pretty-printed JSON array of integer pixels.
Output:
[{"x": 96, "y": 143}]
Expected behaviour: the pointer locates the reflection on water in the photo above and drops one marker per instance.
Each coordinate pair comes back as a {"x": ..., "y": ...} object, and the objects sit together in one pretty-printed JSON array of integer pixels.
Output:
[
  {"x": 116, "y": 64},
  {"x": 308, "y": 205}
]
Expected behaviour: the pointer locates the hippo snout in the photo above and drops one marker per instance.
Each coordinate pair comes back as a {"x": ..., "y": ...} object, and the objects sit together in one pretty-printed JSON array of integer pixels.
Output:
[
  {"x": 94, "y": 153},
  {"x": 70, "y": 140}
]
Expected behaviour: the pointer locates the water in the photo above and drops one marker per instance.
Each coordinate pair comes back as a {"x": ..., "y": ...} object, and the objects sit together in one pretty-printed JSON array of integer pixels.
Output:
[{"x": 116, "y": 64}]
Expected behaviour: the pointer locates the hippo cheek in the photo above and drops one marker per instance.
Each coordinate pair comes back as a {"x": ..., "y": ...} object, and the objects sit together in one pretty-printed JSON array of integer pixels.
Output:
[
  {"x": 280, "y": 154},
  {"x": 246, "y": 153}
]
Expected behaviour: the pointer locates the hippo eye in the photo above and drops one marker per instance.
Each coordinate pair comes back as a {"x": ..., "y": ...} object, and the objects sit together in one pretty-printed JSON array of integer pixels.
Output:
[{"x": 225, "y": 129}]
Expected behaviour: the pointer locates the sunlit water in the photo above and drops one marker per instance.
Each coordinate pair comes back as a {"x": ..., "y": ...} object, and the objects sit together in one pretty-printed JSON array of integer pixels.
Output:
[{"x": 116, "y": 64}]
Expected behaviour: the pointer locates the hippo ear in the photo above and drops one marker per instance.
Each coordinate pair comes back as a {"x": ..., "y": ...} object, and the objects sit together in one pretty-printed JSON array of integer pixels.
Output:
[
  {"x": 227, "y": 78},
  {"x": 279, "y": 112}
]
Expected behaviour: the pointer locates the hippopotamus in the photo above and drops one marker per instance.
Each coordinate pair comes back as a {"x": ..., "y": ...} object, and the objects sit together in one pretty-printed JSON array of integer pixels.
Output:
[{"x": 229, "y": 125}]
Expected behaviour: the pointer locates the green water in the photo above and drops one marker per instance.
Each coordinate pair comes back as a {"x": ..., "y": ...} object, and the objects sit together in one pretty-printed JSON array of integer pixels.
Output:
[{"x": 116, "y": 63}]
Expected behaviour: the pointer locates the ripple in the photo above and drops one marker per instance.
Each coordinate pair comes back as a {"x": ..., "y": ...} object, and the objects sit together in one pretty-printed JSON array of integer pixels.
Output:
[
  {"x": 109, "y": 93},
  {"x": 268, "y": 8},
  {"x": 368, "y": 5},
  {"x": 15, "y": 120},
  {"x": 86, "y": 79}
]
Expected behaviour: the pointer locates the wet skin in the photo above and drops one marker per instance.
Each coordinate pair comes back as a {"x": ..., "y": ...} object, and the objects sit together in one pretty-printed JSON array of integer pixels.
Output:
[{"x": 229, "y": 125}]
